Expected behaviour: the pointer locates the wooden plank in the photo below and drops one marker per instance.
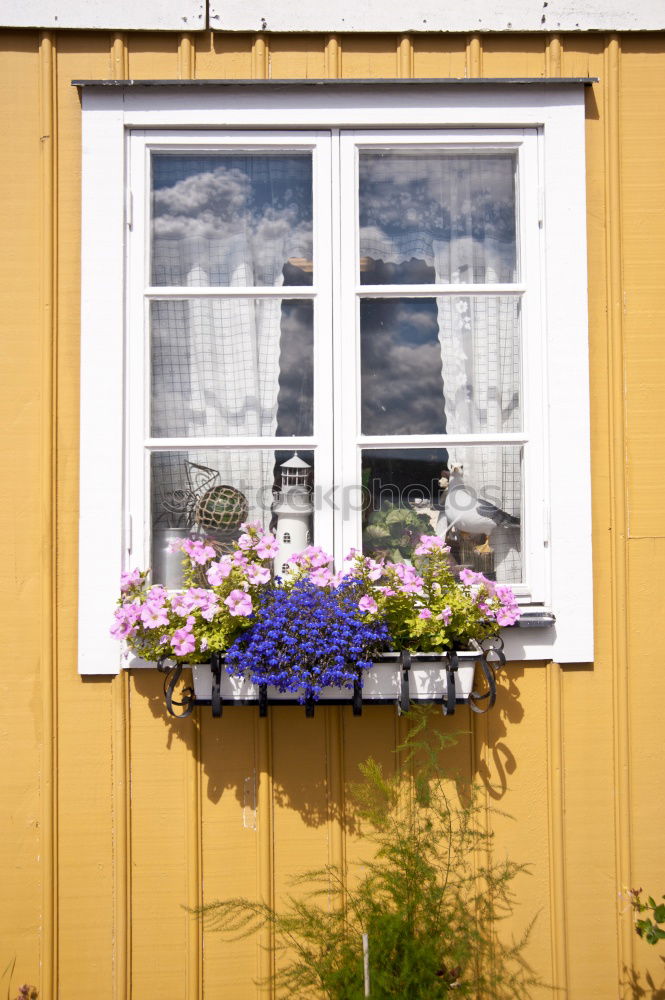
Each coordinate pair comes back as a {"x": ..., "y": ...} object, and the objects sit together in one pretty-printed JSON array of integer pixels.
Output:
[
  {"x": 438, "y": 55},
  {"x": 86, "y": 834},
  {"x": 646, "y": 727},
  {"x": 366, "y": 56},
  {"x": 153, "y": 56},
  {"x": 229, "y": 825},
  {"x": 296, "y": 57},
  {"x": 20, "y": 512},
  {"x": 513, "y": 55},
  {"x": 222, "y": 56},
  {"x": 643, "y": 212},
  {"x": 161, "y": 847}
]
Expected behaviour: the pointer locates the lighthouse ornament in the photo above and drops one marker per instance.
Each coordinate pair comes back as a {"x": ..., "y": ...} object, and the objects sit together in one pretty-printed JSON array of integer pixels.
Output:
[{"x": 293, "y": 509}]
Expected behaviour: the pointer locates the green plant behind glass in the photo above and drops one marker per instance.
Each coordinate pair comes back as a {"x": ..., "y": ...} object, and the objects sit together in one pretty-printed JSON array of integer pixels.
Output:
[{"x": 429, "y": 899}]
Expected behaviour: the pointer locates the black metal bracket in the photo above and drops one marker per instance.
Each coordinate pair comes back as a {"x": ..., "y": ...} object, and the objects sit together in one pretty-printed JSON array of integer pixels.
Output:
[
  {"x": 492, "y": 659},
  {"x": 187, "y": 699},
  {"x": 490, "y": 656},
  {"x": 404, "y": 700},
  {"x": 263, "y": 701},
  {"x": 216, "y": 696},
  {"x": 451, "y": 665},
  {"x": 357, "y": 700}
]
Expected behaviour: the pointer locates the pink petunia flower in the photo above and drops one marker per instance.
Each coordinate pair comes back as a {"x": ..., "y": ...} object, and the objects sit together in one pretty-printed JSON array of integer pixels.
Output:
[
  {"x": 368, "y": 604},
  {"x": 239, "y": 604},
  {"x": 429, "y": 543},
  {"x": 128, "y": 580},
  {"x": 267, "y": 547},
  {"x": 321, "y": 577},
  {"x": 198, "y": 551},
  {"x": 257, "y": 574},
  {"x": 252, "y": 526},
  {"x": 154, "y": 615},
  {"x": 425, "y": 613},
  {"x": 217, "y": 572},
  {"x": 446, "y": 615},
  {"x": 183, "y": 642}
]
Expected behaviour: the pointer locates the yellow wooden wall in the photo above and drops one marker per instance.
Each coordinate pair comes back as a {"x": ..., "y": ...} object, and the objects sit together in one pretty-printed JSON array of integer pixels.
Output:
[{"x": 113, "y": 815}]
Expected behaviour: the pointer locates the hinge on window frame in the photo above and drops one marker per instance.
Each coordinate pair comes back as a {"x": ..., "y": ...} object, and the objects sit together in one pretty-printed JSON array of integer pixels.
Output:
[
  {"x": 541, "y": 205},
  {"x": 129, "y": 209},
  {"x": 128, "y": 533}
]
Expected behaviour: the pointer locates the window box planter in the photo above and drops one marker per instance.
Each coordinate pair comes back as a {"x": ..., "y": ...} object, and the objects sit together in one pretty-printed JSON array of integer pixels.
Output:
[{"x": 396, "y": 678}]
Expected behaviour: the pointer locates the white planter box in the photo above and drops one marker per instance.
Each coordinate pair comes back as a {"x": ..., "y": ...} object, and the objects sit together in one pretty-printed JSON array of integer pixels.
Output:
[{"x": 382, "y": 683}]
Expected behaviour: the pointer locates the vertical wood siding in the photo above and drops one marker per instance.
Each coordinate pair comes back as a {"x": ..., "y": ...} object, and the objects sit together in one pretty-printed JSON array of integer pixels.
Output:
[{"x": 116, "y": 817}]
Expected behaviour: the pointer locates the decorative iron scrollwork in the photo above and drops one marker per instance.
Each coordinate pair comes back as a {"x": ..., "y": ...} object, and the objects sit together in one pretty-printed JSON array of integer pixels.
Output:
[
  {"x": 187, "y": 699},
  {"x": 492, "y": 659}
]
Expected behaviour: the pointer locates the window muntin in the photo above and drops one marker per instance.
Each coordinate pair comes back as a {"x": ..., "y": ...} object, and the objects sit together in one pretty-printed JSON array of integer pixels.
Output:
[
  {"x": 414, "y": 491},
  {"x": 462, "y": 333},
  {"x": 446, "y": 296},
  {"x": 228, "y": 375},
  {"x": 231, "y": 217},
  {"x": 211, "y": 492},
  {"x": 440, "y": 366},
  {"x": 230, "y": 367},
  {"x": 454, "y": 209}
]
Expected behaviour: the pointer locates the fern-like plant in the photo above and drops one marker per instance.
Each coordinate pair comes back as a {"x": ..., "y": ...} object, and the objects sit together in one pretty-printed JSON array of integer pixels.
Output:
[{"x": 428, "y": 898}]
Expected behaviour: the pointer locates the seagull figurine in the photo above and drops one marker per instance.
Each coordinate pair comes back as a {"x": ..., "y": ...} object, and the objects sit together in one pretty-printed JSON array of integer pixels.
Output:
[{"x": 473, "y": 514}]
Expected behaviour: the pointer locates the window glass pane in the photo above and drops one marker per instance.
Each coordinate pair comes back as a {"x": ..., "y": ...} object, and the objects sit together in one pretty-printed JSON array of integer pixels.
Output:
[
  {"x": 449, "y": 364},
  {"x": 451, "y": 213},
  {"x": 231, "y": 218},
  {"x": 471, "y": 496},
  {"x": 210, "y": 493},
  {"x": 232, "y": 366}
]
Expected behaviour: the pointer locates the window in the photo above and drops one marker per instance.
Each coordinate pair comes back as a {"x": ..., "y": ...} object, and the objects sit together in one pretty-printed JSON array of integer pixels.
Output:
[{"x": 354, "y": 334}]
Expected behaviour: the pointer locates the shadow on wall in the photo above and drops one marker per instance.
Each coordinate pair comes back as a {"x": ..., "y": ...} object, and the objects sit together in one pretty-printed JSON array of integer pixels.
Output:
[
  {"x": 311, "y": 756},
  {"x": 634, "y": 989}
]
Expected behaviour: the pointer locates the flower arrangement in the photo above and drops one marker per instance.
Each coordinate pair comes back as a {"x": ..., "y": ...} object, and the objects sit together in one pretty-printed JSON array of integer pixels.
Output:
[
  {"x": 313, "y": 627},
  {"x": 427, "y": 608},
  {"x": 308, "y": 637},
  {"x": 188, "y": 625}
]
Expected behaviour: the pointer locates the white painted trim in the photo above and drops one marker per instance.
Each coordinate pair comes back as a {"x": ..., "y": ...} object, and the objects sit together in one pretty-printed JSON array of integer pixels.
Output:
[
  {"x": 347, "y": 106},
  {"x": 436, "y": 15},
  {"x": 102, "y": 383},
  {"x": 149, "y": 15},
  {"x": 559, "y": 113},
  {"x": 343, "y": 16}
]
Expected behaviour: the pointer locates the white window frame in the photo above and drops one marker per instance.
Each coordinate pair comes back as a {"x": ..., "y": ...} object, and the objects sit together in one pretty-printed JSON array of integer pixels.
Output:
[
  {"x": 113, "y": 366},
  {"x": 141, "y": 144}
]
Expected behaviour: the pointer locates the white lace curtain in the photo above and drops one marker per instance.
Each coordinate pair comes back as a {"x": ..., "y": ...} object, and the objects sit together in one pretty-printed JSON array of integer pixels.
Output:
[
  {"x": 457, "y": 214},
  {"x": 216, "y": 362}
]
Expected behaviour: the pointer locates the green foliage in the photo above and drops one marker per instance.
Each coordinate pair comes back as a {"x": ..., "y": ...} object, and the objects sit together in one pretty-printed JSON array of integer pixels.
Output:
[
  {"x": 456, "y": 612},
  {"x": 648, "y": 927},
  {"x": 393, "y": 532},
  {"x": 429, "y": 898}
]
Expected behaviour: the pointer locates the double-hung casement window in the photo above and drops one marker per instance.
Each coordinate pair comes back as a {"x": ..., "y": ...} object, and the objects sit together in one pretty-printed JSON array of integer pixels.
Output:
[{"x": 376, "y": 311}]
